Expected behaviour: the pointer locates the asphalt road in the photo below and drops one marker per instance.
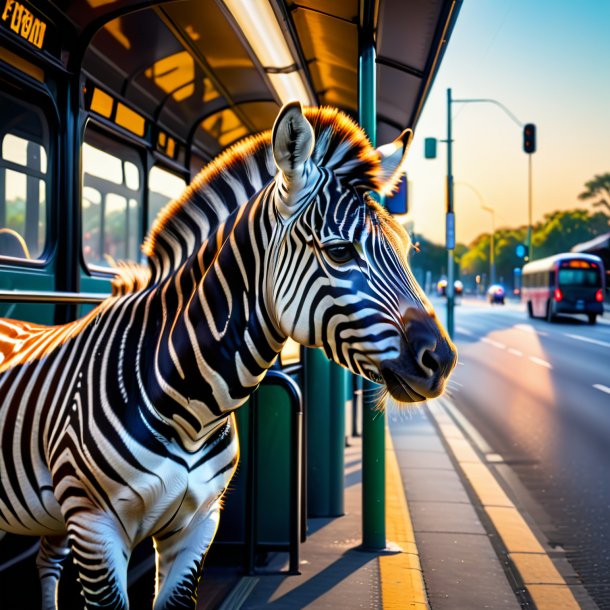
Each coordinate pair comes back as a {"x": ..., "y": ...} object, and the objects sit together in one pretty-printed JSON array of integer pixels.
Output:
[{"x": 539, "y": 396}]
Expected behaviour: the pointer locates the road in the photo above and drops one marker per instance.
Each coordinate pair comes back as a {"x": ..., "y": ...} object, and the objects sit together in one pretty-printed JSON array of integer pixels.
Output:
[{"x": 539, "y": 396}]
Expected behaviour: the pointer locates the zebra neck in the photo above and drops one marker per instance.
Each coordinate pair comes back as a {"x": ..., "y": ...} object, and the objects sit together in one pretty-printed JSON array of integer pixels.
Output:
[{"x": 218, "y": 336}]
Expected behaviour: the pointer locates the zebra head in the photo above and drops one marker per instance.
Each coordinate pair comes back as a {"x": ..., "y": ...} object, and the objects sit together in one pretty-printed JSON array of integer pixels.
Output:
[{"x": 340, "y": 272}]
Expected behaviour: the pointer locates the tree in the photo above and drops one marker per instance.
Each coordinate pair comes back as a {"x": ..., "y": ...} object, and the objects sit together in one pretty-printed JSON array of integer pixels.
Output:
[
  {"x": 598, "y": 186},
  {"x": 562, "y": 230}
]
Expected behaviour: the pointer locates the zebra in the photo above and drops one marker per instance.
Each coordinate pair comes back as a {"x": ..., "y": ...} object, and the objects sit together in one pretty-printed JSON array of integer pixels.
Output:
[{"x": 119, "y": 426}]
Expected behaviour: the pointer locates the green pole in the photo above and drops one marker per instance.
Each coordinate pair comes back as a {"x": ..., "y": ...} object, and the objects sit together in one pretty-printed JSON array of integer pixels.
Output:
[
  {"x": 336, "y": 457},
  {"x": 318, "y": 414},
  {"x": 373, "y": 422}
]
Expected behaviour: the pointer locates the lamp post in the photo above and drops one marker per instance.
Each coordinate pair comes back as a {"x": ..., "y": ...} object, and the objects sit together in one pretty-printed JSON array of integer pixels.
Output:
[
  {"x": 492, "y": 247},
  {"x": 450, "y": 215}
]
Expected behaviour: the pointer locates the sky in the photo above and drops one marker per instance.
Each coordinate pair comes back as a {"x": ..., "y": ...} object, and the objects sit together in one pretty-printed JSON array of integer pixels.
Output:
[{"x": 548, "y": 62}]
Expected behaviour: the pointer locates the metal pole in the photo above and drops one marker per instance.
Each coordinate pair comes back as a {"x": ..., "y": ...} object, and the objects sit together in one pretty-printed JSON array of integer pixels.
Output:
[
  {"x": 373, "y": 421},
  {"x": 450, "y": 225},
  {"x": 336, "y": 454},
  {"x": 530, "y": 252},
  {"x": 319, "y": 415},
  {"x": 492, "y": 254}
]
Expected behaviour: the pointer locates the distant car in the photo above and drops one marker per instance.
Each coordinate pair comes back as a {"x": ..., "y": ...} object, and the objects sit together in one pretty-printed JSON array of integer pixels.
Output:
[
  {"x": 496, "y": 294},
  {"x": 441, "y": 288}
]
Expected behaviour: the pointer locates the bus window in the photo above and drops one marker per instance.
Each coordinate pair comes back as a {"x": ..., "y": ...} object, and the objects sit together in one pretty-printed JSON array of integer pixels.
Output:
[
  {"x": 24, "y": 181},
  {"x": 163, "y": 187},
  {"x": 111, "y": 203},
  {"x": 579, "y": 277}
]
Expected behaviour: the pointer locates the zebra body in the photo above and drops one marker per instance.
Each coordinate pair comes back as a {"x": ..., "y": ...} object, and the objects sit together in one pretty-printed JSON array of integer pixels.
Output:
[{"x": 119, "y": 426}]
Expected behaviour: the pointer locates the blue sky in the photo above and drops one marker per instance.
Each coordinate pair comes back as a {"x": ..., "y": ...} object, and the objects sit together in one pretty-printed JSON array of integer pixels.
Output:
[{"x": 549, "y": 63}]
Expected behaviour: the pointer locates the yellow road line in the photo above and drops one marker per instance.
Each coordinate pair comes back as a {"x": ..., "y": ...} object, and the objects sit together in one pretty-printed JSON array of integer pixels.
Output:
[
  {"x": 541, "y": 578},
  {"x": 402, "y": 583}
]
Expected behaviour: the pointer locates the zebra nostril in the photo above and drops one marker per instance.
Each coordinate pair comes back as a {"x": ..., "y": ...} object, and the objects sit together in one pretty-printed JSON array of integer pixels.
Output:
[{"x": 428, "y": 362}]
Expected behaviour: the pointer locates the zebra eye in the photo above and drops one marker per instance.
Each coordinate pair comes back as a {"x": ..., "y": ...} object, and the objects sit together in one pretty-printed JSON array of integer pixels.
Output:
[{"x": 340, "y": 253}]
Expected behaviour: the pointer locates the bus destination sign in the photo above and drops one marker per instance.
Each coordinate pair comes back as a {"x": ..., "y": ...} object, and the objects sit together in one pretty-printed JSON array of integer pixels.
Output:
[{"x": 21, "y": 21}]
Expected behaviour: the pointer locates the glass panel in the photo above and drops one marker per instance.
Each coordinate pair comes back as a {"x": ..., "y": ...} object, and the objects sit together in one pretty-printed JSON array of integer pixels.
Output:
[
  {"x": 23, "y": 183},
  {"x": 23, "y": 207},
  {"x": 579, "y": 277},
  {"x": 132, "y": 176},
  {"x": 92, "y": 213},
  {"x": 17, "y": 149},
  {"x": 99, "y": 163},
  {"x": 163, "y": 186},
  {"x": 111, "y": 203}
]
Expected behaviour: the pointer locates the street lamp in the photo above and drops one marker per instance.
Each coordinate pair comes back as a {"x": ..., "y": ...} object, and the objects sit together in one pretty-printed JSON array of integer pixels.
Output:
[{"x": 492, "y": 247}]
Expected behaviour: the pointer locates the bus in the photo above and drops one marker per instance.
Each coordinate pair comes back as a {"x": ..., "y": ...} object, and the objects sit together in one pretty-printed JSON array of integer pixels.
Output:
[{"x": 565, "y": 283}]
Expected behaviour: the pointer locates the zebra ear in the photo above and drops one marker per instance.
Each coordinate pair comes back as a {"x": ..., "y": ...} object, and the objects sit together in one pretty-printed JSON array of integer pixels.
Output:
[
  {"x": 292, "y": 140},
  {"x": 393, "y": 159}
]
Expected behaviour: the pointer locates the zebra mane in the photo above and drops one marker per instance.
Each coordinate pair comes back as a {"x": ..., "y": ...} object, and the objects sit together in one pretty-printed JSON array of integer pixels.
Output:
[{"x": 233, "y": 177}]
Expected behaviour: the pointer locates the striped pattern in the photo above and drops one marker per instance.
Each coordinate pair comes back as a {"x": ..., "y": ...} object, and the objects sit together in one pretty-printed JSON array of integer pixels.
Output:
[{"x": 119, "y": 426}]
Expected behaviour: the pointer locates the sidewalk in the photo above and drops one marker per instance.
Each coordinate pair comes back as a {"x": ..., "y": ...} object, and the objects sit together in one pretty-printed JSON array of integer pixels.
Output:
[{"x": 455, "y": 540}]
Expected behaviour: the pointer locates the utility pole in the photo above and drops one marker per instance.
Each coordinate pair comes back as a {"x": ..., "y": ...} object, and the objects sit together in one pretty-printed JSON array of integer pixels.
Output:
[
  {"x": 529, "y": 146},
  {"x": 450, "y": 226}
]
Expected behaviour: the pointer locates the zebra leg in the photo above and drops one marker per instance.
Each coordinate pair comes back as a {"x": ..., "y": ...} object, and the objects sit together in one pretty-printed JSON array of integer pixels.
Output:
[
  {"x": 101, "y": 554},
  {"x": 180, "y": 559},
  {"x": 49, "y": 561}
]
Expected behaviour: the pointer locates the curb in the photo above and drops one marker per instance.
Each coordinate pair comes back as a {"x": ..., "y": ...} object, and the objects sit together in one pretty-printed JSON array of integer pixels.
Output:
[
  {"x": 545, "y": 585},
  {"x": 401, "y": 577}
]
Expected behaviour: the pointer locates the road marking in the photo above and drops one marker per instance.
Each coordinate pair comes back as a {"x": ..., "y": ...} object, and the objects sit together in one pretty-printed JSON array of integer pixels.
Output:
[
  {"x": 471, "y": 431},
  {"x": 538, "y": 572},
  {"x": 514, "y": 352},
  {"x": 400, "y": 573},
  {"x": 463, "y": 331},
  {"x": 541, "y": 362},
  {"x": 602, "y": 388},
  {"x": 494, "y": 343},
  {"x": 588, "y": 340},
  {"x": 530, "y": 329}
]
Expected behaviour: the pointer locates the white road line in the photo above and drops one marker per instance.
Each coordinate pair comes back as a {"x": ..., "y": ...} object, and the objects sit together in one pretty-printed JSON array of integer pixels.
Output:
[
  {"x": 541, "y": 362},
  {"x": 494, "y": 343},
  {"x": 602, "y": 388},
  {"x": 514, "y": 352},
  {"x": 530, "y": 329},
  {"x": 588, "y": 340},
  {"x": 463, "y": 331}
]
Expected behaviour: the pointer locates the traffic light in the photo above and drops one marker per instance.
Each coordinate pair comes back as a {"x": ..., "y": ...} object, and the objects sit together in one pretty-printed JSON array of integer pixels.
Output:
[
  {"x": 522, "y": 251},
  {"x": 529, "y": 138},
  {"x": 430, "y": 148}
]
